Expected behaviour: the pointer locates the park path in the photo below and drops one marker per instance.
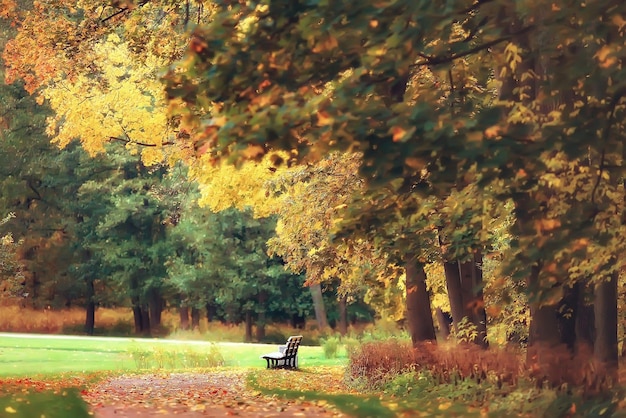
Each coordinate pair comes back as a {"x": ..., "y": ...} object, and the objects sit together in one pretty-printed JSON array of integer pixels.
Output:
[{"x": 192, "y": 395}]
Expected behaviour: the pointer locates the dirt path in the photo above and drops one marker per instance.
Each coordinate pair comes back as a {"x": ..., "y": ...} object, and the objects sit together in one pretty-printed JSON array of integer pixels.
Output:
[{"x": 192, "y": 395}]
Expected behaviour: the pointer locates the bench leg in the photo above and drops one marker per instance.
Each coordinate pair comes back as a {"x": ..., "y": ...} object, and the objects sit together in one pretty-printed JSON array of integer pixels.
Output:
[{"x": 268, "y": 363}]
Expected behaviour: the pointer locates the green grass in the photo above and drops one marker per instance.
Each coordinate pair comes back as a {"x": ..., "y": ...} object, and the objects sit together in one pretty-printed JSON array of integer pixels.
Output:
[
  {"x": 48, "y": 404},
  {"x": 27, "y": 356}
]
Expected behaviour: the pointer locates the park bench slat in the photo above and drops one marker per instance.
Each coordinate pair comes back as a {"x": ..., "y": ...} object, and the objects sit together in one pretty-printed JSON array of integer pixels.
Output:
[{"x": 287, "y": 356}]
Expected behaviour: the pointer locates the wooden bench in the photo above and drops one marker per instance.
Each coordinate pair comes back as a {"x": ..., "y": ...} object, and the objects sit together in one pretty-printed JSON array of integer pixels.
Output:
[{"x": 286, "y": 356}]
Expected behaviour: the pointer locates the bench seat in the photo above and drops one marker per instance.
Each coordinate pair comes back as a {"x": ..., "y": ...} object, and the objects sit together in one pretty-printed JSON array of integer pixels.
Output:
[{"x": 286, "y": 356}]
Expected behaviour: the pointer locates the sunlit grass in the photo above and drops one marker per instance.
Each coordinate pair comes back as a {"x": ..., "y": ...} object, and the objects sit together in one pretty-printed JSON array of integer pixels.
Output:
[{"x": 32, "y": 355}]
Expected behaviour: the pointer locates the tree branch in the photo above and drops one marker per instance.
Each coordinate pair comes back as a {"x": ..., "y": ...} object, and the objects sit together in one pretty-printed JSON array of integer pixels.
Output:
[
  {"x": 432, "y": 60},
  {"x": 141, "y": 144}
]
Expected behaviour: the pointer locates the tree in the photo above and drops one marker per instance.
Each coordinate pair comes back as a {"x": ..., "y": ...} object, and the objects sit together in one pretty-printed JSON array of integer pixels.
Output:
[{"x": 369, "y": 53}]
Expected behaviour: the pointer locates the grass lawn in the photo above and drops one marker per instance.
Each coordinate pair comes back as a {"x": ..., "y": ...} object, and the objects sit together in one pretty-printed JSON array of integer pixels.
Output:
[{"x": 29, "y": 355}]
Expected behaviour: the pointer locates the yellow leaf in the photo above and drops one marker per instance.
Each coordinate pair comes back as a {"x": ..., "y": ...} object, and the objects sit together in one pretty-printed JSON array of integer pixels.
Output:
[
  {"x": 10, "y": 410},
  {"x": 444, "y": 406}
]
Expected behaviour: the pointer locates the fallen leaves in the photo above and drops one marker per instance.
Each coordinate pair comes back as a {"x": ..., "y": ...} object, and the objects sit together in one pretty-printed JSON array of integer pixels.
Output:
[{"x": 217, "y": 393}]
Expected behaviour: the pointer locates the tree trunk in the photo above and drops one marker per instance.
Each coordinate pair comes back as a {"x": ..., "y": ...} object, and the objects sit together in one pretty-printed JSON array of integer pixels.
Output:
[
  {"x": 261, "y": 320},
  {"x": 567, "y": 312},
  {"x": 146, "y": 329},
  {"x": 318, "y": 305},
  {"x": 195, "y": 318},
  {"x": 605, "y": 308},
  {"x": 343, "y": 315},
  {"x": 585, "y": 317},
  {"x": 248, "y": 337},
  {"x": 464, "y": 285},
  {"x": 183, "y": 312},
  {"x": 90, "y": 320},
  {"x": 210, "y": 312},
  {"x": 444, "y": 323},
  {"x": 455, "y": 295},
  {"x": 137, "y": 318},
  {"x": 473, "y": 302},
  {"x": 155, "y": 307},
  {"x": 419, "y": 313}
]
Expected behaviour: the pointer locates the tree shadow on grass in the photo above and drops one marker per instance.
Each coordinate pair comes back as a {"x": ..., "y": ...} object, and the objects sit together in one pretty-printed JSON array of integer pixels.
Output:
[
  {"x": 67, "y": 404},
  {"x": 353, "y": 405}
]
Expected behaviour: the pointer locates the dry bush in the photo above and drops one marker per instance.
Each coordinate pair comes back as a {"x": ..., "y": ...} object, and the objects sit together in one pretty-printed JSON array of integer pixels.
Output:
[
  {"x": 555, "y": 367},
  {"x": 14, "y": 318}
]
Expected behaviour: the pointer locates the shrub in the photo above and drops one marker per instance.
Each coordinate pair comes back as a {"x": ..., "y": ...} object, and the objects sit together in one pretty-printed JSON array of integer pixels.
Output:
[{"x": 330, "y": 346}]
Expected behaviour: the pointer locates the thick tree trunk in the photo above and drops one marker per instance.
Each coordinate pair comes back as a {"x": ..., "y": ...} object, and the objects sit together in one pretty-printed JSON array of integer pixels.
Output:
[
  {"x": 464, "y": 285},
  {"x": 318, "y": 305},
  {"x": 195, "y": 318},
  {"x": 90, "y": 320},
  {"x": 605, "y": 349},
  {"x": 419, "y": 313},
  {"x": 455, "y": 293},
  {"x": 585, "y": 317},
  {"x": 183, "y": 313},
  {"x": 248, "y": 337},
  {"x": 137, "y": 318},
  {"x": 343, "y": 315},
  {"x": 567, "y": 313},
  {"x": 474, "y": 304}
]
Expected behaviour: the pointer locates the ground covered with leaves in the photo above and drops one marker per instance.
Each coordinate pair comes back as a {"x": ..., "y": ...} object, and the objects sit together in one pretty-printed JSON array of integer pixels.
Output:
[
  {"x": 218, "y": 393},
  {"x": 188, "y": 394}
]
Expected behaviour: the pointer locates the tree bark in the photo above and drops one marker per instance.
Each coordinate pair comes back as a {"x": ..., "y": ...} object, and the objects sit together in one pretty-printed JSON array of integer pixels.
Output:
[
  {"x": 455, "y": 295},
  {"x": 471, "y": 283},
  {"x": 90, "y": 319},
  {"x": 146, "y": 328},
  {"x": 585, "y": 317},
  {"x": 419, "y": 313},
  {"x": 605, "y": 349},
  {"x": 261, "y": 319},
  {"x": 318, "y": 305},
  {"x": 183, "y": 312},
  {"x": 444, "y": 324},
  {"x": 210, "y": 312},
  {"x": 343, "y": 315},
  {"x": 464, "y": 285},
  {"x": 195, "y": 318},
  {"x": 155, "y": 307},
  {"x": 248, "y": 337},
  {"x": 137, "y": 319}
]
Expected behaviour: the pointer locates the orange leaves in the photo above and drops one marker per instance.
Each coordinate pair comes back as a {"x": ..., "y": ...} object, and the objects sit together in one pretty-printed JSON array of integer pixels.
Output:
[
  {"x": 546, "y": 225},
  {"x": 327, "y": 43},
  {"x": 606, "y": 57},
  {"x": 7, "y": 8},
  {"x": 324, "y": 118},
  {"x": 400, "y": 134}
]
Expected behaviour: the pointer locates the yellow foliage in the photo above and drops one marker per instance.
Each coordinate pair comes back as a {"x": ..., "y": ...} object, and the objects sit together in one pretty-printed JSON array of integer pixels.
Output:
[{"x": 123, "y": 100}]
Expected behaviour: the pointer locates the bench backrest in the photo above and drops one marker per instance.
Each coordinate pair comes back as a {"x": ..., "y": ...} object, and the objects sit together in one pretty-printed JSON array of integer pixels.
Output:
[{"x": 293, "y": 343}]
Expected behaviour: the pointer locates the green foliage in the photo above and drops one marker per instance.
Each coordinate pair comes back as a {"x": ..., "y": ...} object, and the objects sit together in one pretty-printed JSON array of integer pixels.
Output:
[
  {"x": 465, "y": 331},
  {"x": 169, "y": 357},
  {"x": 330, "y": 345}
]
